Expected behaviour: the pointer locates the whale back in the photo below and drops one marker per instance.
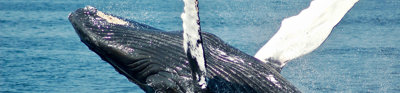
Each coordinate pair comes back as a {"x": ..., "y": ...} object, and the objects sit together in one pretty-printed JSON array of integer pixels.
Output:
[{"x": 155, "y": 60}]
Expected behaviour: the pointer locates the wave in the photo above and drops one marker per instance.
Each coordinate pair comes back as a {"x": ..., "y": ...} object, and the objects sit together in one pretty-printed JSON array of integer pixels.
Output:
[
  {"x": 38, "y": 6},
  {"x": 386, "y": 51}
]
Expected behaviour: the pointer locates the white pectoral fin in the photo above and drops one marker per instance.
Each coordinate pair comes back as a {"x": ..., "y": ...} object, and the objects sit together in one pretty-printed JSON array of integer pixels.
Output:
[
  {"x": 193, "y": 44},
  {"x": 303, "y": 33}
]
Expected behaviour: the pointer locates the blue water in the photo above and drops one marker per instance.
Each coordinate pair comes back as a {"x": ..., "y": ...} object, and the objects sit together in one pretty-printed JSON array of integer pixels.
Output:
[{"x": 40, "y": 51}]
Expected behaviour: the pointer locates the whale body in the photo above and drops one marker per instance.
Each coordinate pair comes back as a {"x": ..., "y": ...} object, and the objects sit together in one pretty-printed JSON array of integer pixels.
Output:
[{"x": 155, "y": 60}]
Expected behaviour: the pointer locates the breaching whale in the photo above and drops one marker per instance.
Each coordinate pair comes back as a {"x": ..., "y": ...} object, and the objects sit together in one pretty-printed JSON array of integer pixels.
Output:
[{"x": 155, "y": 60}]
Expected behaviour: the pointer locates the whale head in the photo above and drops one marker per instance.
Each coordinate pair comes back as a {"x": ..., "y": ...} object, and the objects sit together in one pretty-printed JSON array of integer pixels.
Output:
[{"x": 135, "y": 50}]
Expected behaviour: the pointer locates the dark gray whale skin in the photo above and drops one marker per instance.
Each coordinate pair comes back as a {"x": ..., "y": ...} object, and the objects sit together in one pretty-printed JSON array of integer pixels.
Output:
[{"x": 155, "y": 60}]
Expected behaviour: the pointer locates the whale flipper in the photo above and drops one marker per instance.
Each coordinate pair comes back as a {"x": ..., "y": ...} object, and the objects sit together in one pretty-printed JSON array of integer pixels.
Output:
[
  {"x": 155, "y": 60},
  {"x": 193, "y": 44},
  {"x": 303, "y": 33}
]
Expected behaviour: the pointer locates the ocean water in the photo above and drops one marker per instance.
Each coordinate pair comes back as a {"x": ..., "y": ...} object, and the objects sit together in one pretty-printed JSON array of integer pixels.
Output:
[{"x": 40, "y": 51}]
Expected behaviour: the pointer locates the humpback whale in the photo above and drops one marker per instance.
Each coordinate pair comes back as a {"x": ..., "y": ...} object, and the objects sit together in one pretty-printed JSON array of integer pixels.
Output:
[{"x": 156, "y": 61}]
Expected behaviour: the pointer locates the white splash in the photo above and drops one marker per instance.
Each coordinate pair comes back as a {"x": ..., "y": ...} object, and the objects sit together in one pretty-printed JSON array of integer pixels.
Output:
[
  {"x": 191, "y": 36},
  {"x": 303, "y": 33}
]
